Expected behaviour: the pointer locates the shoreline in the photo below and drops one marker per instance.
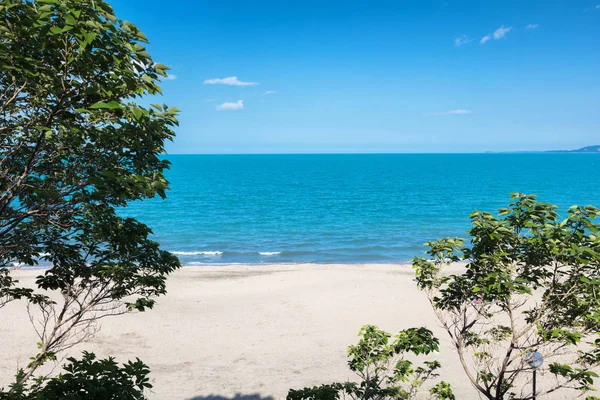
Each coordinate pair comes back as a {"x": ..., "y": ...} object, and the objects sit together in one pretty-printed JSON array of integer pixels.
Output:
[{"x": 408, "y": 264}]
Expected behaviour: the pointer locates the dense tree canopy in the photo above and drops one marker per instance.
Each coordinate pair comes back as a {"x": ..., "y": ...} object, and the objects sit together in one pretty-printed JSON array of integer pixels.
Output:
[{"x": 75, "y": 145}]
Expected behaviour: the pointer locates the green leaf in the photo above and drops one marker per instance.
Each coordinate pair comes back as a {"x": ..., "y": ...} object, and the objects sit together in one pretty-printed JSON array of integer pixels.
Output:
[
  {"x": 137, "y": 112},
  {"x": 161, "y": 66},
  {"x": 70, "y": 20},
  {"x": 111, "y": 105},
  {"x": 90, "y": 36},
  {"x": 147, "y": 78}
]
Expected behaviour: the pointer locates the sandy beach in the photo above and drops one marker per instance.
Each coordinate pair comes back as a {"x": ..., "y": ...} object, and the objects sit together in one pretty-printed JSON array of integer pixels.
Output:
[{"x": 250, "y": 332}]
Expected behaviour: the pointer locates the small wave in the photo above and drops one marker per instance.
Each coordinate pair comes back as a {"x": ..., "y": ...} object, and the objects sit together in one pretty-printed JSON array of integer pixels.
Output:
[
  {"x": 211, "y": 253},
  {"x": 197, "y": 253},
  {"x": 269, "y": 253}
]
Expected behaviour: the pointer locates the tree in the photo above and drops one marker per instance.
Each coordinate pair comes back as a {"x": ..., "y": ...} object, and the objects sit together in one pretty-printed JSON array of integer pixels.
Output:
[
  {"x": 75, "y": 146},
  {"x": 383, "y": 370},
  {"x": 531, "y": 283}
]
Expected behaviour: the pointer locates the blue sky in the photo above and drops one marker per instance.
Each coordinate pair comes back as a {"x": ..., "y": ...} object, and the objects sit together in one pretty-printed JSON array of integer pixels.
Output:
[{"x": 377, "y": 76}]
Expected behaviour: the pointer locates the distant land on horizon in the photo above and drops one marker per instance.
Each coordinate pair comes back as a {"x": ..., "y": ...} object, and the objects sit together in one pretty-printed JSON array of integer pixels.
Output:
[{"x": 586, "y": 149}]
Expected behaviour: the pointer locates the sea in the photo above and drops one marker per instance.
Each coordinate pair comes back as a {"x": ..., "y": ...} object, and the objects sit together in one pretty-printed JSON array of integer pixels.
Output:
[{"x": 345, "y": 208}]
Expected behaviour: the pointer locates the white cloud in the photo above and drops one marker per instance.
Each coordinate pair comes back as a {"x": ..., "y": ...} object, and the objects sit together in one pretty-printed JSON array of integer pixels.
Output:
[
  {"x": 459, "y": 41},
  {"x": 170, "y": 77},
  {"x": 269, "y": 92},
  {"x": 231, "y": 81},
  {"x": 229, "y": 106},
  {"x": 499, "y": 33},
  {"x": 532, "y": 26},
  {"x": 459, "y": 111}
]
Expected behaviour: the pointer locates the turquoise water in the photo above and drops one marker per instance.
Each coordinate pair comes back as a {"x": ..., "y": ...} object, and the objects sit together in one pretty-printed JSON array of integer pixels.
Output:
[{"x": 345, "y": 208}]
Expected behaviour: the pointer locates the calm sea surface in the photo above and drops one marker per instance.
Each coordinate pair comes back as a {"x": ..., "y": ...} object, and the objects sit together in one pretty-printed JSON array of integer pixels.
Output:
[{"x": 345, "y": 208}]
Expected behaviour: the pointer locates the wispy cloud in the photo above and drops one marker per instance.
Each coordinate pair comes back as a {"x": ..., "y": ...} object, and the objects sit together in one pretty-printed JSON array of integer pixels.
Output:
[
  {"x": 459, "y": 41},
  {"x": 598, "y": 7},
  {"x": 532, "y": 26},
  {"x": 269, "y": 92},
  {"x": 229, "y": 106},
  {"x": 499, "y": 33},
  {"x": 231, "y": 81},
  {"x": 170, "y": 77},
  {"x": 459, "y": 111}
]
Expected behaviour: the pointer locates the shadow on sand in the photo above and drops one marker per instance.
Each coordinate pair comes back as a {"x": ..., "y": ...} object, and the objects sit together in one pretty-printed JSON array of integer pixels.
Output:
[{"x": 238, "y": 396}]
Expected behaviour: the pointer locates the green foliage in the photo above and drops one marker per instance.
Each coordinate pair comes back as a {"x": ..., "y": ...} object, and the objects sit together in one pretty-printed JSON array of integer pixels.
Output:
[
  {"x": 323, "y": 392},
  {"x": 442, "y": 391},
  {"x": 75, "y": 146},
  {"x": 530, "y": 283},
  {"x": 9, "y": 291},
  {"x": 378, "y": 360},
  {"x": 88, "y": 379}
]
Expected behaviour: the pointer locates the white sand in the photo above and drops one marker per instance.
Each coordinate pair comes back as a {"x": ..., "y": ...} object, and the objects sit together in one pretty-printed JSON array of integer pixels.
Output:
[{"x": 252, "y": 330}]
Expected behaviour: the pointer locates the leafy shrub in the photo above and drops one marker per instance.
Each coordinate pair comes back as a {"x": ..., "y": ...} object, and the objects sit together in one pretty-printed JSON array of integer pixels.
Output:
[
  {"x": 379, "y": 361},
  {"x": 87, "y": 379}
]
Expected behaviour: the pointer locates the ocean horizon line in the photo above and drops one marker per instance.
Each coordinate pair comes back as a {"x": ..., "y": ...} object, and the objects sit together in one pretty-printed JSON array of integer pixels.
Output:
[{"x": 381, "y": 153}]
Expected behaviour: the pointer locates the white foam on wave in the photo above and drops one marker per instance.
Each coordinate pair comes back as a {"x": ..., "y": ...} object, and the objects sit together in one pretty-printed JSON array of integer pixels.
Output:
[
  {"x": 197, "y": 253},
  {"x": 211, "y": 253},
  {"x": 269, "y": 253}
]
